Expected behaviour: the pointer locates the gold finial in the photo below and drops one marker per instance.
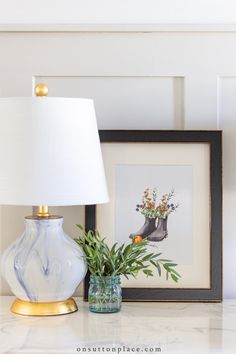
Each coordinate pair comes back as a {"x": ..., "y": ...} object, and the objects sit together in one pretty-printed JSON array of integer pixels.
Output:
[{"x": 41, "y": 90}]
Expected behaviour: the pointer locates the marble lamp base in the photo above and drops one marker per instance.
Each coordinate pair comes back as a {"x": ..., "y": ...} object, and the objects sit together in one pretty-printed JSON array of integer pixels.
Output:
[{"x": 43, "y": 267}]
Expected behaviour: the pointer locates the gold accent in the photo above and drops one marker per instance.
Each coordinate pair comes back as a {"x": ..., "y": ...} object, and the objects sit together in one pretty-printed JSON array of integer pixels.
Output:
[
  {"x": 43, "y": 211},
  {"x": 50, "y": 217},
  {"x": 41, "y": 90},
  {"x": 28, "y": 308}
]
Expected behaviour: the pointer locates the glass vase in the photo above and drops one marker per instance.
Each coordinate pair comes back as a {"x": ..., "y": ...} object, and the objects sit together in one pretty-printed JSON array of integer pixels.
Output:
[{"x": 104, "y": 294}]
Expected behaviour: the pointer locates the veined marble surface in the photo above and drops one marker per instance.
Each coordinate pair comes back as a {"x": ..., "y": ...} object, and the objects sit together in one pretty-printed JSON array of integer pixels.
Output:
[{"x": 138, "y": 328}]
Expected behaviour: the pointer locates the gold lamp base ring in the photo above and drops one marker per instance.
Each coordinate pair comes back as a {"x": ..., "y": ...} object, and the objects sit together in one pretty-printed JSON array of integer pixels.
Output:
[{"x": 28, "y": 308}]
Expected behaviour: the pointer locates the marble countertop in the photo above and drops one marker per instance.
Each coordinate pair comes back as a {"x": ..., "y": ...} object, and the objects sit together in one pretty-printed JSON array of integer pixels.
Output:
[{"x": 138, "y": 328}]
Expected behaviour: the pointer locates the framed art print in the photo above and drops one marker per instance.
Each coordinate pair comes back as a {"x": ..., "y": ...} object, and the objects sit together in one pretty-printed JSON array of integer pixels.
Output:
[{"x": 165, "y": 186}]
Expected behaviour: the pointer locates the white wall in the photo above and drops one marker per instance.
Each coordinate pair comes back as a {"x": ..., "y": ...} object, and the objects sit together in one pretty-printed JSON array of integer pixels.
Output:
[
  {"x": 118, "y": 11},
  {"x": 173, "y": 80},
  {"x": 186, "y": 76}
]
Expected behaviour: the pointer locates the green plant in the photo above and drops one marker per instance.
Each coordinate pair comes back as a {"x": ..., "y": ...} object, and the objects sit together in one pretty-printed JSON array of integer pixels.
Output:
[{"x": 127, "y": 260}]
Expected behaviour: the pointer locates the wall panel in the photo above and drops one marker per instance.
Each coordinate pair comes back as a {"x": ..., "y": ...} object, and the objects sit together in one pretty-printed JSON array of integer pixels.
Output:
[
  {"x": 123, "y": 102},
  {"x": 139, "y": 80}
]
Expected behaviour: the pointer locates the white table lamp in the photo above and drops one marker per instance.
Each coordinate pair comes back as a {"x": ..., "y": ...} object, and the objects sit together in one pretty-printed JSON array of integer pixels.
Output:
[{"x": 49, "y": 156}]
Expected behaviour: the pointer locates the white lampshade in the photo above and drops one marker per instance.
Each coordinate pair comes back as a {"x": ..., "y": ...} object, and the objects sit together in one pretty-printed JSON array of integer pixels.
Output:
[{"x": 50, "y": 152}]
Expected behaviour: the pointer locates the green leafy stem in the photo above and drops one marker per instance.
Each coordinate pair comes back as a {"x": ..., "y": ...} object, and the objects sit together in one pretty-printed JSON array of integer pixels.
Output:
[{"x": 127, "y": 260}]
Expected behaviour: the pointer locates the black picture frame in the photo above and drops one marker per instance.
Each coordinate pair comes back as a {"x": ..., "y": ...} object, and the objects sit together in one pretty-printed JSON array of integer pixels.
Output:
[{"x": 214, "y": 139}]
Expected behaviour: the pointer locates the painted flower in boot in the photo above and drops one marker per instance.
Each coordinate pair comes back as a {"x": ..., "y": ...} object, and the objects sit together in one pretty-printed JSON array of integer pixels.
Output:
[
  {"x": 164, "y": 208},
  {"x": 149, "y": 207}
]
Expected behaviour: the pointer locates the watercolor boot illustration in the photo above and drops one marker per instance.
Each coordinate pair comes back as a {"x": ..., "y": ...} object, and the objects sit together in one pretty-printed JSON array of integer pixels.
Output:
[
  {"x": 148, "y": 227},
  {"x": 160, "y": 232}
]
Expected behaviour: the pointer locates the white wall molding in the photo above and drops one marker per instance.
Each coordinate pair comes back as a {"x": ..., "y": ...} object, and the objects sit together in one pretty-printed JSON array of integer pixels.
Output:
[{"x": 120, "y": 28}]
